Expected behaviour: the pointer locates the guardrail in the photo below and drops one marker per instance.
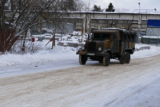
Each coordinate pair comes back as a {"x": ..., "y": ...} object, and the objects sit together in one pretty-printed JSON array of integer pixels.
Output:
[{"x": 150, "y": 40}]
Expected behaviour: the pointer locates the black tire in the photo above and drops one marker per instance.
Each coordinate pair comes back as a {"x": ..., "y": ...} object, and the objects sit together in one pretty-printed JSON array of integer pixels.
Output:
[
  {"x": 82, "y": 59},
  {"x": 122, "y": 59},
  {"x": 106, "y": 60},
  {"x": 127, "y": 57},
  {"x": 101, "y": 60}
]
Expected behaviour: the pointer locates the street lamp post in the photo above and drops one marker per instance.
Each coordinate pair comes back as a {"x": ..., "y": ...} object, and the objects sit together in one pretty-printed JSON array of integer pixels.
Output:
[
  {"x": 139, "y": 24},
  {"x": 89, "y": 5},
  {"x": 139, "y": 7},
  {"x": 155, "y": 9}
]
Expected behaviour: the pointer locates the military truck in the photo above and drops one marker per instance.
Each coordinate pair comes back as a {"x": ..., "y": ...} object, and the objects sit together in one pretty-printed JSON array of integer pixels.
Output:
[{"x": 103, "y": 45}]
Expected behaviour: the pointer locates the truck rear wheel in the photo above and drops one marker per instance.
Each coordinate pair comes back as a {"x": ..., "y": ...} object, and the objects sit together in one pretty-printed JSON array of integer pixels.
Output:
[
  {"x": 106, "y": 60},
  {"x": 82, "y": 59},
  {"x": 127, "y": 57}
]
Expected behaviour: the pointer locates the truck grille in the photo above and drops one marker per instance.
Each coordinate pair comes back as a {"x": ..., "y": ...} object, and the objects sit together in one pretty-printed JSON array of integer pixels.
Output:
[{"x": 91, "y": 47}]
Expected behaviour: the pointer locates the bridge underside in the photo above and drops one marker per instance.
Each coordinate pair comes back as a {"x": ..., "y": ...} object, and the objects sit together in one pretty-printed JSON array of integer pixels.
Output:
[
  {"x": 100, "y": 20},
  {"x": 108, "y": 23}
]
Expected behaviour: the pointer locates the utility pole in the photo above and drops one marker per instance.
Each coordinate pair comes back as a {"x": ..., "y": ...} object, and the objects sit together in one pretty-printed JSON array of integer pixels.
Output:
[
  {"x": 139, "y": 24},
  {"x": 155, "y": 10},
  {"x": 139, "y": 7},
  {"x": 89, "y": 6}
]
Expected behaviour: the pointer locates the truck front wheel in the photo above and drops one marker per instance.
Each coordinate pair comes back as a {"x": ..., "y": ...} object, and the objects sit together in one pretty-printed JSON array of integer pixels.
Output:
[
  {"x": 101, "y": 60},
  {"x": 82, "y": 59},
  {"x": 106, "y": 60}
]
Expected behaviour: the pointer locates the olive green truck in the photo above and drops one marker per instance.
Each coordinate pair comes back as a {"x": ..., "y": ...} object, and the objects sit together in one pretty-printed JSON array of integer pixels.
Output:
[{"x": 103, "y": 45}]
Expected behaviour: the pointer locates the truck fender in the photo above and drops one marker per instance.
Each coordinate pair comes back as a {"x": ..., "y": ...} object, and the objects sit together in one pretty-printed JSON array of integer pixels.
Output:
[{"x": 110, "y": 53}]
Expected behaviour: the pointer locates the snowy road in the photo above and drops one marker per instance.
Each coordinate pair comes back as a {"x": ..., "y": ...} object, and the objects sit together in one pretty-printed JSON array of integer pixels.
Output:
[{"x": 92, "y": 85}]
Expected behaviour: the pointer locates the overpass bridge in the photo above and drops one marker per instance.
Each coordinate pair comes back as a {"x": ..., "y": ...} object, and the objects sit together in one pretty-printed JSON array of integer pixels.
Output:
[
  {"x": 88, "y": 20},
  {"x": 99, "y": 20}
]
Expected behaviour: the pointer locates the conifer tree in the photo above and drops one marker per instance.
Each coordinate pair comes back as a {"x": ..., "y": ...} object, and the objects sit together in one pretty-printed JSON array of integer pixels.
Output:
[
  {"x": 97, "y": 8},
  {"x": 110, "y": 8}
]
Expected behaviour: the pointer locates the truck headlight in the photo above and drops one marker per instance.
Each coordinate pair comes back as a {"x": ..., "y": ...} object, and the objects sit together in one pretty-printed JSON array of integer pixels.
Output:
[{"x": 100, "y": 49}]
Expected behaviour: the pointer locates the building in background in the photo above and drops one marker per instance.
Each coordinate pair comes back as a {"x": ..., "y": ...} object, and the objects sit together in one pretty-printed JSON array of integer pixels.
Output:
[{"x": 152, "y": 32}]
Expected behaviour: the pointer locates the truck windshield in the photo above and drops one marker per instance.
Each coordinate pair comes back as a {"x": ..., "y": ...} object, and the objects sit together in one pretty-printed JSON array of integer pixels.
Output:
[{"x": 101, "y": 36}]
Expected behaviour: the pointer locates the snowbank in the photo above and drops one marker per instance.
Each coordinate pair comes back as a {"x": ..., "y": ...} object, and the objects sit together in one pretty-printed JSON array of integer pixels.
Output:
[
  {"x": 62, "y": 53},
  {"x": 145, "y": 53},
  {"x": 58, "y": 53}
]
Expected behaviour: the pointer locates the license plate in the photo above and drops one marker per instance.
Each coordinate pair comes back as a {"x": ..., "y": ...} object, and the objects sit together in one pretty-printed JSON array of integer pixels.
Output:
[{"x": 90, "y": 54}]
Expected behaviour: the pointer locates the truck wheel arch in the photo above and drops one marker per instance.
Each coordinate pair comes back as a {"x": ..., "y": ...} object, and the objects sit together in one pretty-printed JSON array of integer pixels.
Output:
[
  {"x": 110, "y": 53},
  {"x": 131, "y": 51}
]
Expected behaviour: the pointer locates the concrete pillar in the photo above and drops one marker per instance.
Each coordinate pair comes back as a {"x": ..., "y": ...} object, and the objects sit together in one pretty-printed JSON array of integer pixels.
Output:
[
  {"x": 139, "y": 22},
  {"x": 84, "y": 23},
  {"x": 74, "y": 26},
  {"x": 139, "y": 27},
  {"x": 88, "y": 23}
]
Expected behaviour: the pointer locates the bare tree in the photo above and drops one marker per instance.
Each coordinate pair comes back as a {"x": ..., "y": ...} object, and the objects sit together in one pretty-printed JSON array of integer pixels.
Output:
[
  {"x": 16, "y": 17},
  {"x": 81, "y": 6},
  {"x": 60, "y": 12}
]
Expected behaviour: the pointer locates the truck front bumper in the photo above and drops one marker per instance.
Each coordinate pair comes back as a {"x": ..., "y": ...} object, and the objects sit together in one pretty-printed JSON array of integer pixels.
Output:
[{"x": 91, "y": 53}]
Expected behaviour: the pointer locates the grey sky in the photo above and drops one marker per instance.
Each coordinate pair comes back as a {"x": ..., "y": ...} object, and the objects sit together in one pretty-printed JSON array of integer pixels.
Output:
[{"x": 130, "y": 5}]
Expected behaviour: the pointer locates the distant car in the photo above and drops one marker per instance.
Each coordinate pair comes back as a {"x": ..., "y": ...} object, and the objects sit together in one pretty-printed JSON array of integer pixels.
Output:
[
  {"x": 45, "y": 36},
  {"x": 143, "y": 34},
  {"x": 77, "y": 33},
  {"x": 48, "y": 36}
]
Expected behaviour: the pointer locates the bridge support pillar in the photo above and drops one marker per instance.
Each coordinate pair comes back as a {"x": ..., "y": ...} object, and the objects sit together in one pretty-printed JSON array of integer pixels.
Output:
[
  {"x": 74, "y": 25},
  {"x": 139, "y": 27},
  {"x": 84, "y": 23},
  {"x": 88, "y": 23}
]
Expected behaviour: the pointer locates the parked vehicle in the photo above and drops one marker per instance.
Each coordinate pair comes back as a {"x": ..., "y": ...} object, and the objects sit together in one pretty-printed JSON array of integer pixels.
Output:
[
  {"x": 45, "y": 36},
  {"x": 108, "y": 44}
]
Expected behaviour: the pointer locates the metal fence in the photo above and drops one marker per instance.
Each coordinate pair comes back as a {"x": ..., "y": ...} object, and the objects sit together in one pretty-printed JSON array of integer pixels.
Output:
[{"x": 151, "y": 40}]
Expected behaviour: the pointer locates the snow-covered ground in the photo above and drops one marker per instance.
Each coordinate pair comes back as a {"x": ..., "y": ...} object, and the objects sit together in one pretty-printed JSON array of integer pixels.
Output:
[
  {"x": 65, "y": 57},
  {"x": 62, "y": 57},
  {"x": 58, "y": 54},
  {"x": 62, "y": 53}
]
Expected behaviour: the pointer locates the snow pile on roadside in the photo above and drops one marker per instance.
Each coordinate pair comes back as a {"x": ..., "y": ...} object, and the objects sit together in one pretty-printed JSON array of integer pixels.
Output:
[
  {"x": 58, "y": 53},
  {"x": 61, "y": 53},
  {"x": 145, "y": 53},
  {"x": 140, "y": 45}
]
